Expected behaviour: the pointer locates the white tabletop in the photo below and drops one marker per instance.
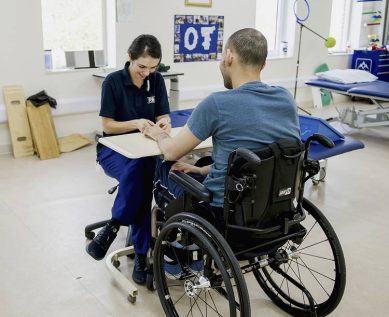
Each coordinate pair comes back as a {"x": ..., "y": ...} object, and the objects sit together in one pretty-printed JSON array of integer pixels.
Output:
[{"x": 136, "y": 145}]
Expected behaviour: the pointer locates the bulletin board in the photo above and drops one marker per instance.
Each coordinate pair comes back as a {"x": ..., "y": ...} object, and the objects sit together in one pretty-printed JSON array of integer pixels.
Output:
[{"x": 198, "y": 38}]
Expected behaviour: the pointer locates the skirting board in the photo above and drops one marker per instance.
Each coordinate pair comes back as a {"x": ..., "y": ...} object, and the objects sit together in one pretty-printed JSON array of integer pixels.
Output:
[{"x": 5, "y": 149}]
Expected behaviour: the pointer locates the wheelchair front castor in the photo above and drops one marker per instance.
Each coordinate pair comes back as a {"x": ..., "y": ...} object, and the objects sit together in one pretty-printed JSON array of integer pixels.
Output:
[
  {"x": 150, "y": 282},
  {"x": 116, "y": 263},
  {"x": 131, "y": 299},
  {"x": 89, "y": 235}
]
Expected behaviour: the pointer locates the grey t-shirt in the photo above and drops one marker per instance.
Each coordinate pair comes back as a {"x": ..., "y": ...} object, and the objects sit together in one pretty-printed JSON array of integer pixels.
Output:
[{"x": 250, "y": 116}]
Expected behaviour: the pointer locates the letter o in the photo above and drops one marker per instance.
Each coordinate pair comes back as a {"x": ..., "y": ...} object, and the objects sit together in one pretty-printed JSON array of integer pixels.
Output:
[{"x": 188, "y": 32}]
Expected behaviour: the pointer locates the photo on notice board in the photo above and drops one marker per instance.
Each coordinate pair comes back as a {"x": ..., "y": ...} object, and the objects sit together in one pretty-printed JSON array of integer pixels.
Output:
[{"x": 198, "y": 38}]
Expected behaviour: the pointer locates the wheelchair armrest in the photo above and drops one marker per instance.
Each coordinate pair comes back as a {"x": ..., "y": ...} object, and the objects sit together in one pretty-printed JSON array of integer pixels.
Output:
[
  {"x": 191, "y": 186},
  {"x": 248, "y": 155},
  {"x": 322, "y": 139}
]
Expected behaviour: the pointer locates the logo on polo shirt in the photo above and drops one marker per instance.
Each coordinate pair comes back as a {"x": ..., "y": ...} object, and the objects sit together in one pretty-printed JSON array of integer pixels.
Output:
[
  {"x": 285, "y": 192},
  {"x": 151, "y": 99}
]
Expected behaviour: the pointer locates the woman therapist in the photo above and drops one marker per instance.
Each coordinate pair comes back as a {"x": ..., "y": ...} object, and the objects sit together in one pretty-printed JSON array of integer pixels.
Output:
[{"x": 132, "y": 99}]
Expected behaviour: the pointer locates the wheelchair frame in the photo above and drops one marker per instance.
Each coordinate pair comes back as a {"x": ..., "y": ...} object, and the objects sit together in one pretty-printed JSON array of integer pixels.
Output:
[{"x": 223, "y": 274}]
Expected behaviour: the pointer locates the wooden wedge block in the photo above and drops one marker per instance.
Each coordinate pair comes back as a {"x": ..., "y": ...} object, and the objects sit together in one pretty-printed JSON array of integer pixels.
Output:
[
  {"x": 19, "y": 127},
  {"x": 43, "y": 131},
  {"x": 72, "y": 142}
]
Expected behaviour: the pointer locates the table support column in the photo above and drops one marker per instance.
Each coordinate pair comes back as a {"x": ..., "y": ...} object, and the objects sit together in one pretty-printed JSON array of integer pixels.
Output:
[{"x": 174, "y": 94}]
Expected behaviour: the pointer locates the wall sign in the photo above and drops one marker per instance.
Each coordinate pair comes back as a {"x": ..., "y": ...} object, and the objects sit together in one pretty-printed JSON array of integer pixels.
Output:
[{"x": 198, "y": 38}]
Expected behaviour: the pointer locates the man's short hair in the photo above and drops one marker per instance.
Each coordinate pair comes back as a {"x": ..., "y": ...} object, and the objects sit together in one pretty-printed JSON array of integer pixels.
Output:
[{"x": 251, "y": 46}]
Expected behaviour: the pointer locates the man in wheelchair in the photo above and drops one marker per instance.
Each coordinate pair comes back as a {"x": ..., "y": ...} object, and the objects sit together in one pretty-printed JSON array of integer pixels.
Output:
[
  {"x": 249, "y": 195},
  {"x": 250, "y": 114}
]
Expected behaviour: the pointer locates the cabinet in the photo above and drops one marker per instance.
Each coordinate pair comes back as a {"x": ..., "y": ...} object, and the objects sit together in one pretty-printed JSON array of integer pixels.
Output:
[{"x": 375, "y": 62}]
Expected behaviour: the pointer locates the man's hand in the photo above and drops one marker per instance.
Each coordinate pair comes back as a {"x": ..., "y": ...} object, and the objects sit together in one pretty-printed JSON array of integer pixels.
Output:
[
  {"x": 188, "y": 168},
  {"x": 164, "y": 124},
  {"x": 154, "y": 132},
  {"x": 142, "y": 124},
  {"x": 172, "y": 148}
]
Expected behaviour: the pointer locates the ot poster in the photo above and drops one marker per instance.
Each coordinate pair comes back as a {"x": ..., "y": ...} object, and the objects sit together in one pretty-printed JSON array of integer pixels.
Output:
[{"x": 198, "y": 38}]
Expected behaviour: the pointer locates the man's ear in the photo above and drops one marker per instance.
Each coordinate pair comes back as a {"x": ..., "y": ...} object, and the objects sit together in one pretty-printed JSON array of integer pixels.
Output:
[{"x": 229, "y": 57}]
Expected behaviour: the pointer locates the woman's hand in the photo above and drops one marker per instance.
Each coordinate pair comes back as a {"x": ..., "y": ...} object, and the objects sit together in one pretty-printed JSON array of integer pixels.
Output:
[
  {"x": 142, "y": 124},
  {"x": 187, "y": 168}
]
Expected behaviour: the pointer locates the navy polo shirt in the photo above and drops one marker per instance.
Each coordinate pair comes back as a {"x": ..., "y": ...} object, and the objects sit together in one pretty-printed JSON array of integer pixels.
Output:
[{"x": 121, "y": 100}]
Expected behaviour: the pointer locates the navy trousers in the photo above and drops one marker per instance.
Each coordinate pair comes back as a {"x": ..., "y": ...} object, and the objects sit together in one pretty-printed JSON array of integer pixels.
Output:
[{"x": 132, "y": 204}]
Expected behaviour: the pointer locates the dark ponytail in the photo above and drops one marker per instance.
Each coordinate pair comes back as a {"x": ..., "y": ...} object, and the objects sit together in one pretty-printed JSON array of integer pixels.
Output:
[{"x": 145, "y": 45}]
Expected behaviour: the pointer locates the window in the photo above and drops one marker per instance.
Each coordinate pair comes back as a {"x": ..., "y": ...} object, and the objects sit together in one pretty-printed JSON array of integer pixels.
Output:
[
  {"x": 275, "y": 19},
  {"x": 340, "y": 22},
  {"x": 74, "y": 33}
]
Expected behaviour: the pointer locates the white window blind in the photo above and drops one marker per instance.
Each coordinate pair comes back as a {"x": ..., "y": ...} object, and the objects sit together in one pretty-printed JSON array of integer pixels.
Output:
[
  {"x": 340, "y": 21},
  {"x": 73, "y": 26},
  {"x": 275, "y": 19}
]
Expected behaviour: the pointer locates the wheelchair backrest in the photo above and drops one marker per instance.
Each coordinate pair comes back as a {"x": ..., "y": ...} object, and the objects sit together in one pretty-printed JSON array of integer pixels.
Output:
[{"x": 265, "y": 194}]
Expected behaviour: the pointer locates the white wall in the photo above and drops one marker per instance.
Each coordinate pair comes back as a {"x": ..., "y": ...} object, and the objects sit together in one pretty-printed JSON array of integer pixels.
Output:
[{"x": 22, "y": 62}]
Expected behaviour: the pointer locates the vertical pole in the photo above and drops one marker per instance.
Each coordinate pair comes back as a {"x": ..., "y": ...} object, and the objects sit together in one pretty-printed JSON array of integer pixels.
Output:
[
  {"x": 297, "y": 69},
  {"x": 298, "y": 62}
]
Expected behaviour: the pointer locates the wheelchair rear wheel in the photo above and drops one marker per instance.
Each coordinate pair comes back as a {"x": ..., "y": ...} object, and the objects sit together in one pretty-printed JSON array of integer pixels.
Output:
[
  {"x": 316, "y": 263},
  {"x": 214, "y": 286}
]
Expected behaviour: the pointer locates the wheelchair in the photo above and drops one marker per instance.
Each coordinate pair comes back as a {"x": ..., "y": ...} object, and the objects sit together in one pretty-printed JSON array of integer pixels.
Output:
[{"x": 269, "y": 229}]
